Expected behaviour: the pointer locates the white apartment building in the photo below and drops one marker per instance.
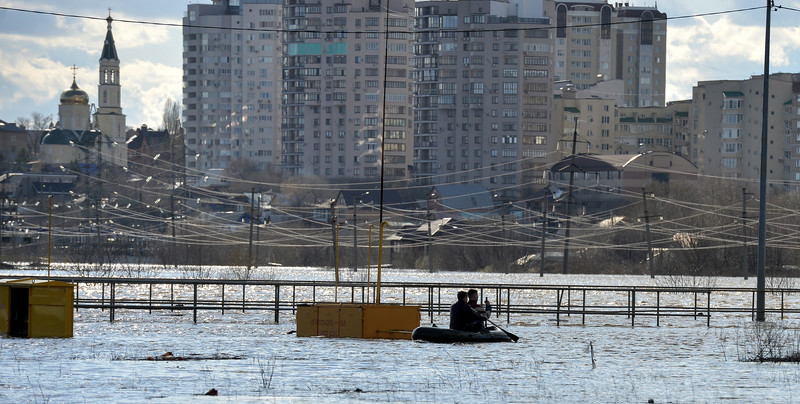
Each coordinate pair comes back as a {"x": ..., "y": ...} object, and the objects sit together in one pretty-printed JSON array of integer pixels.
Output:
[
  {"x": 347, "y": 87},
  {"x": 231, "y": 84},
  {"x": 482, "y": 94},
  {"x": 726, "y": 118}
]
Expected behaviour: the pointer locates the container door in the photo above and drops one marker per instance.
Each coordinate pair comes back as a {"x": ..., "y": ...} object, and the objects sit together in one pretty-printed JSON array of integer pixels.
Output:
[{"x": 18, "y": 312}]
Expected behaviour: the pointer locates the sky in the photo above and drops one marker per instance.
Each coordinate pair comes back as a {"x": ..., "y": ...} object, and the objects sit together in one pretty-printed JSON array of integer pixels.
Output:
[{"x": 38, "y": 50}]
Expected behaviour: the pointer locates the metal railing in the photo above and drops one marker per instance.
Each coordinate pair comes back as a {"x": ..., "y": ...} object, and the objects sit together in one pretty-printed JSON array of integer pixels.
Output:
[{"x": 523, "y": 302}]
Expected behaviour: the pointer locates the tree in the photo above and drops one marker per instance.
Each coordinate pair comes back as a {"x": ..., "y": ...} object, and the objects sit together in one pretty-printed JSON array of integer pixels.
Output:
[
  {"x": 37, "y": 123},
  {"x": 301, "y": 191},
  {"x": 171, "y": 118}
]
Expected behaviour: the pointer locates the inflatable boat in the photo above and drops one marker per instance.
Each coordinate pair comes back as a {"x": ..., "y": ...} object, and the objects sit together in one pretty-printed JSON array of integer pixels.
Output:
[{"x": 447, "y": 335}]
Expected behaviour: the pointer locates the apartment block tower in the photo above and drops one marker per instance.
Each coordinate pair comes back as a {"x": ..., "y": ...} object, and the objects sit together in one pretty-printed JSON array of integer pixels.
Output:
[
  {"x": 346, "y": 85},
  {"x": 726, "y": 124},
  {"x": 482, "y": 93},
  {"x": 231, "y": 84},
  {"x": 597, "y": 41}
]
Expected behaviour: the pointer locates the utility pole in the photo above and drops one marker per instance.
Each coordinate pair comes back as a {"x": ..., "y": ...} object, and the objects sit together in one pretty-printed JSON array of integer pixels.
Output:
[
  {"x": 430, "y": 234},
  {"x": 505, "y": 253},
  {"x": 569, "y": 198},
  {"x": 544, "y": 232},
  {"x": 762, "y": 203},
  {"x": 333, "y": 233},
  {"x": 172, "y": 194},
  {"x": 258, "y": 229},
  {"x": 355, "y": 234},
  {"x": 745, "y": 266},
  {"x": 647, "y": 234},
  {"x": 98, "y": 197},
  {"x": 250, "y": 248}
]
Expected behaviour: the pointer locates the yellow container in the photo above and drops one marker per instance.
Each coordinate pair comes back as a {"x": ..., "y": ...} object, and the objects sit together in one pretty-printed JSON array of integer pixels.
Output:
[
  {"x": 357, "y": 320},
  {"x": 36, "y": 308}
]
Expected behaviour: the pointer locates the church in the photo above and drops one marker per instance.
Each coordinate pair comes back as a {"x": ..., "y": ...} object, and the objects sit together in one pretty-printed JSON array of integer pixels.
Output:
[{"x": 85, "y": 134}]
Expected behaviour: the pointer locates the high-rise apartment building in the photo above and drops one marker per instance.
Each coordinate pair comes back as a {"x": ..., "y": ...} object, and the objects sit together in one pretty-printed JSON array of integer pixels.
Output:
[
  {"x": 346, "y": 85},
  {"x": 726, "y": 122},
  {"x": 596, "y": 41},
  {"x": 482, "y": 93},
  {"x": 231, "y": 83}
]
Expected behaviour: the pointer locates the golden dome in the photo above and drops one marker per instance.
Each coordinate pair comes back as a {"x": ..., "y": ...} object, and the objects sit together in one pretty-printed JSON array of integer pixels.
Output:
[{"x": 74, "y": 95}]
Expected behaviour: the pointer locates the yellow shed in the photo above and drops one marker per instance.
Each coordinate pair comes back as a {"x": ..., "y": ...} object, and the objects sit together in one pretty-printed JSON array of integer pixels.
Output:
[{"x": 36, "y": 308}]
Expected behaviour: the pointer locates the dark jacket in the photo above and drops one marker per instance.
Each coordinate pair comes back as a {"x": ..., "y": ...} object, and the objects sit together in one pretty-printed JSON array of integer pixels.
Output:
[{"x": 463, "y": 317}]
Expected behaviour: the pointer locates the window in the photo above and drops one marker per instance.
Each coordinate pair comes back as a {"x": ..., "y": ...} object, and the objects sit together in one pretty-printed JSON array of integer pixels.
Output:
[
  {"x": 731, "y": 119},
  {"x": 732, "y": 103}
]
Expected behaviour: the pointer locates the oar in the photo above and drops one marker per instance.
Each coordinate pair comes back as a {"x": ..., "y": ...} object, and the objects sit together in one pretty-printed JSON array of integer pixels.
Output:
[{"x": 510, "y": 334}]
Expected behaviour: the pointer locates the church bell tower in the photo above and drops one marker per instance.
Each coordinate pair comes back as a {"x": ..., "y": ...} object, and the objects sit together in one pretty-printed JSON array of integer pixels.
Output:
[{"x": 109, "y": 117}]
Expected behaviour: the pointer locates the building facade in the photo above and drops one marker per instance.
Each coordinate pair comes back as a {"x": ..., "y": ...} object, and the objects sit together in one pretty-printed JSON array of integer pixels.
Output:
[
  {"x": 17, "y": 145},
  {"x": 726, "y": 118},
  {"x": 597, "y": 41},
  {"x": 482, "y": 93},
  {"x": 231, "y": 84},
  {"x": 346, "y": 86},
  {"x": 592, "y": 114}
]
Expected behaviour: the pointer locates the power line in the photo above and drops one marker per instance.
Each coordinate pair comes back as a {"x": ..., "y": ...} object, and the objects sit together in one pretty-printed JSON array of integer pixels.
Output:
[{"x": 278, "y": 30}]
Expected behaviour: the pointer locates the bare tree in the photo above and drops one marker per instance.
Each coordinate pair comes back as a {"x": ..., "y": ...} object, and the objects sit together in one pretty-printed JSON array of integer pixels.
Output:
[
  {"x": 171, "y": 118},
  {"x": 302, "y": 191}
]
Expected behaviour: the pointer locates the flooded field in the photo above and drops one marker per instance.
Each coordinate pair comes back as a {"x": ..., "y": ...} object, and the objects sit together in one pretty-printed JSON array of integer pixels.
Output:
[{"x": 247, "y": 358}]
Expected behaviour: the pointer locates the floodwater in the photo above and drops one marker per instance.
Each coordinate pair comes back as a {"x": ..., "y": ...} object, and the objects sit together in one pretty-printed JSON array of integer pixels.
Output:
[{"x": 248, "y": 358}]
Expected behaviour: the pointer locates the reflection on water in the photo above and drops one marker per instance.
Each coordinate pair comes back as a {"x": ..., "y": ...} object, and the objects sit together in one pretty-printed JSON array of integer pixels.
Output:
[{"x": 683, "y": 362}]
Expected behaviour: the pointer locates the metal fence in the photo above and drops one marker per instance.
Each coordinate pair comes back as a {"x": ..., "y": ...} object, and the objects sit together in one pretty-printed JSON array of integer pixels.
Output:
[{"x": 562, "y": 304}]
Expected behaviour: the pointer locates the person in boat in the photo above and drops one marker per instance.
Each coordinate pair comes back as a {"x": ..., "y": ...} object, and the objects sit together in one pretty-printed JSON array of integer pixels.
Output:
[
  {"x": 473, "y": 302},
  {"x": 463, "y": 317}
]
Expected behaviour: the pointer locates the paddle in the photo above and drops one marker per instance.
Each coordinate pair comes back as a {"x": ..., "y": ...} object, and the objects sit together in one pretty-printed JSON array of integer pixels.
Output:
[{"x": 510, "y": 334}]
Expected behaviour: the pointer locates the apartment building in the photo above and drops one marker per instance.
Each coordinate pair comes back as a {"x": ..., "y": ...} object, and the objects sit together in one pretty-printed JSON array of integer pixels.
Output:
[
  {"x": 591, "y": 112},
  {"x": 231, "y": 84},
  {"x": 603, "y": 127},
  {"x": 726, "y": 123},
  {"x": 482, "y": 93},
  {"x": 346, "y": 86},
  {"x": 597, "y": 41}
]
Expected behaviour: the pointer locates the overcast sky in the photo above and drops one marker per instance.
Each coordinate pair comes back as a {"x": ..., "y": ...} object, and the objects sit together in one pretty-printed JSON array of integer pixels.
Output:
[{"x": 39, "y": 50}]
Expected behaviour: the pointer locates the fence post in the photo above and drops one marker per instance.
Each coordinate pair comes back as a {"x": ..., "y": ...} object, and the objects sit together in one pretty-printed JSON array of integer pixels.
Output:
[
  {"x": 508, "y": 305},
  {"x": 583, "y": 316},
  {"x": 658, "y": 308},
  {"x": 277, "y": 303},
  {"x": 223, "y": 299},
  {"x": 111, "y": 303},
  {"x": 194, "y": 301}
]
